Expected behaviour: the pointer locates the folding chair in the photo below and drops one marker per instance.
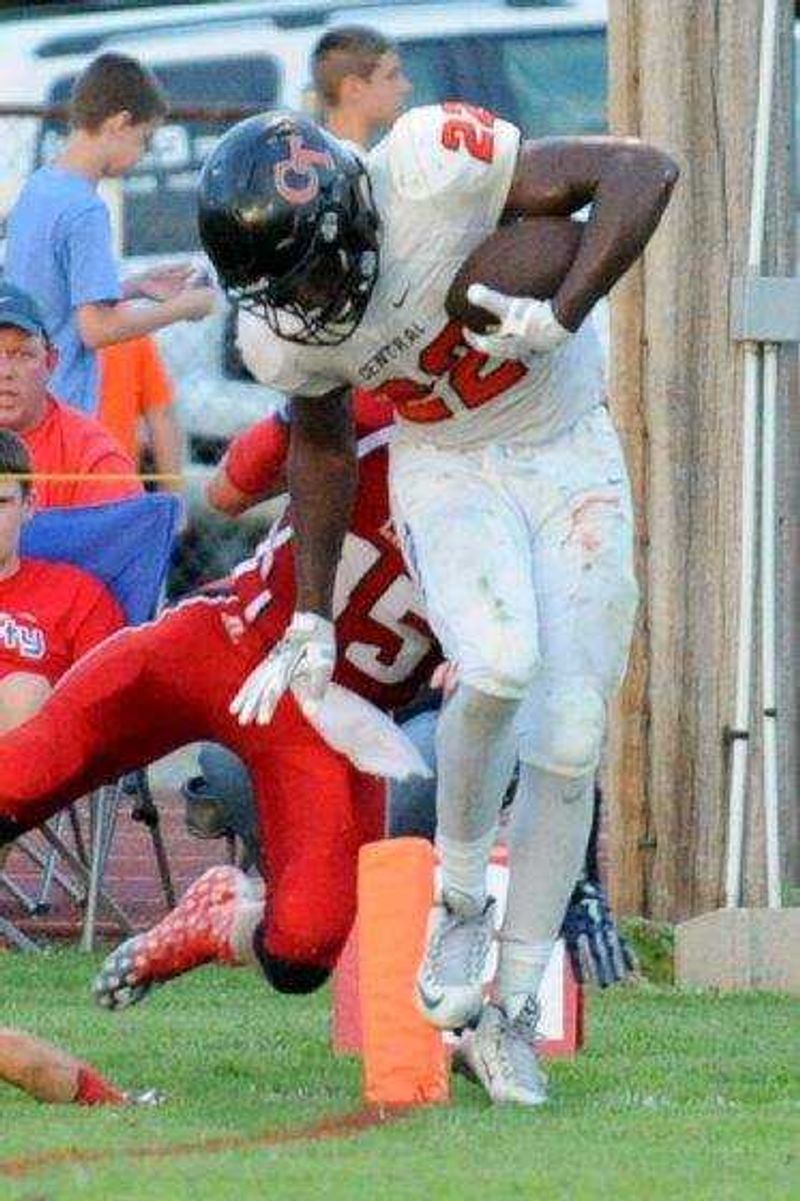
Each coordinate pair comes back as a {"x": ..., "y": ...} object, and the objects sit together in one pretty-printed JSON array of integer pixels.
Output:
[{"x": 128, "y": 545}]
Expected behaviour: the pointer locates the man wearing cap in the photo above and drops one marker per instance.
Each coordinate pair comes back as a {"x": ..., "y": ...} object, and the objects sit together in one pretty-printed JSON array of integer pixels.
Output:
[{"x": 75, "y": 460}]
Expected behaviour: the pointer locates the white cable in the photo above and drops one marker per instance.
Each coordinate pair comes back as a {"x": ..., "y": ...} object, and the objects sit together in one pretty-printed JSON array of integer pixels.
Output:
[
  {"x": 769, "y": 387},
  {"x": 741, "y": 719},
  {"x": 741, "y": 727},
  {"x": 766, "y": 79}
]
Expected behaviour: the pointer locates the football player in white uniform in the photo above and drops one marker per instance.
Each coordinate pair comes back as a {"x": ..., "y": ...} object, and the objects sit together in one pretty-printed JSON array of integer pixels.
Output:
[{"x": 509, "y": 490}]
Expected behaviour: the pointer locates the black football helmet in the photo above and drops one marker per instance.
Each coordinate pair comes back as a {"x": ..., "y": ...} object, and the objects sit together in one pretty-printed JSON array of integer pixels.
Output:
[{"x": 286, "y": 216}]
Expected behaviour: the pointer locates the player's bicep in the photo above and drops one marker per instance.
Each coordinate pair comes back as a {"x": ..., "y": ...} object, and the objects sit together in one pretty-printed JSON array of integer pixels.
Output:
[
  {"x": 553, "y": 176},
  {"x": 561, "y": 175}
]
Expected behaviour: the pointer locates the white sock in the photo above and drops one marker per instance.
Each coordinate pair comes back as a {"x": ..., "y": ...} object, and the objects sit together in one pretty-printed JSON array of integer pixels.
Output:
[
  {"x": 550, "y": 822},
  {"x": 475, "y": 753},
  {"x": 464, "y": 872},
  {"x": 520, "y": 969}
]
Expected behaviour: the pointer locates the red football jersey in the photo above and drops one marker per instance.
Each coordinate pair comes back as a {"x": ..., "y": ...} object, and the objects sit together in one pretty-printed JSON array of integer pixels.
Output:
[
  {"x": 50, "y": 615},
  {"x": 386, "y": 650}
]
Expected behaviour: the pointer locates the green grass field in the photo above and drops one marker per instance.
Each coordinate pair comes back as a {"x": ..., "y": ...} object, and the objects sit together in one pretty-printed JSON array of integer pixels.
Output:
[{"x": 678, "y": 1095}]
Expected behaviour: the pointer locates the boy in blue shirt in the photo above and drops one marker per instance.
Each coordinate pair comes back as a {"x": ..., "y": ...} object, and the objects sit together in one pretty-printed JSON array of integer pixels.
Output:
[{"x": 59, "y": 234}]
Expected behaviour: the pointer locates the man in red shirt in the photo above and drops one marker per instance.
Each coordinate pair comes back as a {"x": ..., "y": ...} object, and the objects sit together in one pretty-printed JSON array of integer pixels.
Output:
[
  {"x": 151, "y": 689},
  {"x": 76, "y": 461},
  {"x": 50, "y": 613}
]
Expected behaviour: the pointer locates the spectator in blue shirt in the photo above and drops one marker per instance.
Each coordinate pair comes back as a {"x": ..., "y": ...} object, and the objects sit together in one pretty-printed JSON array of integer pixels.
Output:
[{"x": 59, "y": 235}]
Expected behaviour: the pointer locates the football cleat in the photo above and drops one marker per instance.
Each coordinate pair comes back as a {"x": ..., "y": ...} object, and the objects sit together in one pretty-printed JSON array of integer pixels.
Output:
[
  {"x": 197, "y": 931},
  {"x": 500, "y": 1054},
  {"x": 449, "y": 990}
]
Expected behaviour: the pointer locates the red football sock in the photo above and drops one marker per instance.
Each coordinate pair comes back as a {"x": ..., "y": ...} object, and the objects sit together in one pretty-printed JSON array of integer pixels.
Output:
[{"x": 93, "y": 1089}]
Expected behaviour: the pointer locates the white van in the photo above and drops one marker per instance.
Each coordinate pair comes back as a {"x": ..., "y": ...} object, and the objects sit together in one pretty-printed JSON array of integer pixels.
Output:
[{"x": 542, "y": 65}]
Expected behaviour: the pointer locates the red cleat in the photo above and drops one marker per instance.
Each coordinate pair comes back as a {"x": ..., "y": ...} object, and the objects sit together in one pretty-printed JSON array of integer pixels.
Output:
[{"x": 199, "y": 930}]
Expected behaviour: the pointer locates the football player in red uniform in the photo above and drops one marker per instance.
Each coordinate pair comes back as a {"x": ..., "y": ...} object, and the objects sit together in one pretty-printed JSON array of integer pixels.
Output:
[{"x": 148, "y": 690}]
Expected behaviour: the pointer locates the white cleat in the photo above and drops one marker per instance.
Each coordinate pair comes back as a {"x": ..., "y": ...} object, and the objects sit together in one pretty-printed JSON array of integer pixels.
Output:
[
  {"x": 500, "y": 1054},
  {"x": 449, "y": 990}
]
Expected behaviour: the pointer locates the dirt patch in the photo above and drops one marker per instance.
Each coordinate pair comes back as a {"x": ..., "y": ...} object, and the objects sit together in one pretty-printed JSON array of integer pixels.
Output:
[{"x": 346, "y": 1125}]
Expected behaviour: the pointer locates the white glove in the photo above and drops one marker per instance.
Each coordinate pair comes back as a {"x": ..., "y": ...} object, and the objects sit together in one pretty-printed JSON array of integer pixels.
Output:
[
  {"x": 526, "y": 325},
  {"x": 303, "y": 660}
]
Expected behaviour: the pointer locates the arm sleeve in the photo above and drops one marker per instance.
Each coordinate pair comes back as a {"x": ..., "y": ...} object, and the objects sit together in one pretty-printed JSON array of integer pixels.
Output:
[
  {"x": 97, "y": 615},
  {"x": 256, "y": 459},
  {"x": 91, "y": 269}
]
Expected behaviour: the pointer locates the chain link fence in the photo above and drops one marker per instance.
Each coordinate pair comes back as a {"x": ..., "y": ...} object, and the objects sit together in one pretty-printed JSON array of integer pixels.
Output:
[{"x": 153, "y": 221}]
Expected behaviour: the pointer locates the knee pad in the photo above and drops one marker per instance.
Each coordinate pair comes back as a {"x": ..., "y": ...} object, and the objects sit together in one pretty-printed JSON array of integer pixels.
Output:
[
  {"x": 564, "y": 732},
  {"x": 505, "y": 668}
]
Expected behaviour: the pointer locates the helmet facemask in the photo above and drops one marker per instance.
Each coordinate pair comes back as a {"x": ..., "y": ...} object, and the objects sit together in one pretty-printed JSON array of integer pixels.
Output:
[{"x": 321, "y": 300}]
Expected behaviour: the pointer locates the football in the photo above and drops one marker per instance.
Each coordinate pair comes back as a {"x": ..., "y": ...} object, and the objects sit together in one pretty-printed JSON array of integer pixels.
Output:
[{"x": 527, "y": 258}]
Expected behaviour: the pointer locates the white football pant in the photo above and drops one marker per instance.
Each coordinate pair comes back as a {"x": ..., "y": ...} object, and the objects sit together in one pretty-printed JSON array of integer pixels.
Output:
[{"x": 524, "y": 554}]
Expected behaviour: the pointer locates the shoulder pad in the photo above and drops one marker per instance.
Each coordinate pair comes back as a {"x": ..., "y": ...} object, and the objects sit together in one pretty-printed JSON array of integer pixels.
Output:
[
  {"x": 451, "y": 148},
  {"x": 277, "y": 363}
]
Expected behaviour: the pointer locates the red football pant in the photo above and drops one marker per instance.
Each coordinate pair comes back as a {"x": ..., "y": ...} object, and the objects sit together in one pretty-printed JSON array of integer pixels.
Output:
[{"x": 146, "y": 691}]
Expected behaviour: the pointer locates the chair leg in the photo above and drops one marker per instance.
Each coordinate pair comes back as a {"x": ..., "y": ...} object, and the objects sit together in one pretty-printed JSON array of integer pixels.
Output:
[
  {"x": 89, "y": 868},
  {"x": 13, "y": 889},
  {"x": 82, "y": 873},
  {"x": 48, "y": 874},
  {"x": 77, "y": 835},
  {"x": 104, "y": 804},
  {"x": 16, "y": 938},
  {"x": 28, "y": 847},
  {"x": 145, "y": 810}
]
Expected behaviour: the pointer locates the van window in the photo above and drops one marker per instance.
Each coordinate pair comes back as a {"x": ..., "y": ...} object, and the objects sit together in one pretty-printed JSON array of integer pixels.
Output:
[
  {"x": 547, "y": 82},
  {"x": 159, "y": 195}
]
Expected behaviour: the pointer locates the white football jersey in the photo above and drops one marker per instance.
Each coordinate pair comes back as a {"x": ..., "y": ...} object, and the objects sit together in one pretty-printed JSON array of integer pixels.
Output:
[{"x": 440, "y": 180}]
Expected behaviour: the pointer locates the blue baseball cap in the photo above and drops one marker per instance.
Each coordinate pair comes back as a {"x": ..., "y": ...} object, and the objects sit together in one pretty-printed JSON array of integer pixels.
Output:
[{"x": 18, "y": 308}]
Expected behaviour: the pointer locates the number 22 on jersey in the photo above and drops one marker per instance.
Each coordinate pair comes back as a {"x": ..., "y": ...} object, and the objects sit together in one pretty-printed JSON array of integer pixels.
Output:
[
  {"x": 469, "y": 127},
  {"x": 450, "y": 359}
]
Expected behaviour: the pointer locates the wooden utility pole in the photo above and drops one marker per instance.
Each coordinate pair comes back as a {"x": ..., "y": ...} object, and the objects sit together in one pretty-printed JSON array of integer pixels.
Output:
[{"x": 684, "y": 76}]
